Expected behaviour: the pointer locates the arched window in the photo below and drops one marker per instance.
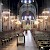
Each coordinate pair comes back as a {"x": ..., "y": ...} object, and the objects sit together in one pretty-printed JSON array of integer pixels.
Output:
[
  {"x": 25, "y": 1},
  {"x": 29, "y": 1},
  {"x": 29, "y": 17},
  {"x": 25, "y": 17}
]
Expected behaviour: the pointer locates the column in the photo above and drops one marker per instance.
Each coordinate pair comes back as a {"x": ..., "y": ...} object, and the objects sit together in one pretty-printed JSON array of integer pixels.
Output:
[{"x": 0, "y": 17}]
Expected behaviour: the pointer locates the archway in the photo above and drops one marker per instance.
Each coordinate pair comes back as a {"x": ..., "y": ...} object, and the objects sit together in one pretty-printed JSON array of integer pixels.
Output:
[
  {"x": 27, "y": 7},
  {"x": 27, "y": 20}
]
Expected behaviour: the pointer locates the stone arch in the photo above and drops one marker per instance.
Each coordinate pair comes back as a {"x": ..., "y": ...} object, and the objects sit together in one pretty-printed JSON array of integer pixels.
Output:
[{"x": 27, "y": 7}]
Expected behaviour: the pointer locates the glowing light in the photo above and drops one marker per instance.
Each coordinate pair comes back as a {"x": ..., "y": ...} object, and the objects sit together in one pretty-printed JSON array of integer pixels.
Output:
[
  {"x": 25, "y": 17},
  {"x": 33, "y": 17},
  {"x": 25, "y": 1},
  {"x": 18, "y": 22},
  {"x": 45, "y": 12},
  {"x": 22, "y": 1},
  {"x": 45, "y": 17},
  {"x": 41, "y": 20},
  {"x": 1, "y": 3},
  {"x": 22, "y": 17},
  {"x": 36, "y": 22},
  {"x": 30, "y": 17},
  {"x": 42, "y": 47},
  {"x": 6, "y": 12},
  {"x": 29, "y": 1},
  {"x": 6, "y": 17},
  {"x": 12, "y": 20}
]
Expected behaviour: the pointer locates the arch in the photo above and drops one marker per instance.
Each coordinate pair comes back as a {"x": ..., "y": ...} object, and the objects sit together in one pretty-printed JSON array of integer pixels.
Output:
[
  {"x": 29, "y": 14},
  {"x": 27, "y": 7}
]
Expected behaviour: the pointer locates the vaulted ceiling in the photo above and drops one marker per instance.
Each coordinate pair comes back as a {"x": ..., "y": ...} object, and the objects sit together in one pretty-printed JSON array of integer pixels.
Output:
[{"x": 12, "y": 4}]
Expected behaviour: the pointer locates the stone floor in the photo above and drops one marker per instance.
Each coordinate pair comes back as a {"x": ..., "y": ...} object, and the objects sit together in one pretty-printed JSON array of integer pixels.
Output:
[{"x": 29, "y": 43}]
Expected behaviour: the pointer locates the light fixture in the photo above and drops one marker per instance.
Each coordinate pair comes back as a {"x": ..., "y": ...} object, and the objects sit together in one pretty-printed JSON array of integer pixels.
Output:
[
  {"x": 45, "y": 17},
  {"x": 41, "y": 47},
  {"x": 45, "y": 12}
]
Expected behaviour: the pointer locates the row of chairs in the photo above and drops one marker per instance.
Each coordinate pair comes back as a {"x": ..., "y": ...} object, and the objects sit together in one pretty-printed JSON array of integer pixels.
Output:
[
  {"x": 4, "y": 41},
  {"x": 42, "y": 39},
  {"x": 6, "y": 38}
]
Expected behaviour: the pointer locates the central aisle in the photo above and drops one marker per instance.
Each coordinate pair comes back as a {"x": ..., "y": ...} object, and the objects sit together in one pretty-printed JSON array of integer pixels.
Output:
[{"x": 29, "y": 42}]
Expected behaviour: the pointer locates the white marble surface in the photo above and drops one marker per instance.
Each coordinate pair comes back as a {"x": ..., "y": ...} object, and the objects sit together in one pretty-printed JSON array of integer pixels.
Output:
[{"x": 30, "y": 43}]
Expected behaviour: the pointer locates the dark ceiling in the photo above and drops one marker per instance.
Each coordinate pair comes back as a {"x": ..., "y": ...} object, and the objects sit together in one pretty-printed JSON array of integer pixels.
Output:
[{"x": 12, "y": 4}]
